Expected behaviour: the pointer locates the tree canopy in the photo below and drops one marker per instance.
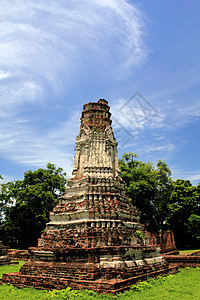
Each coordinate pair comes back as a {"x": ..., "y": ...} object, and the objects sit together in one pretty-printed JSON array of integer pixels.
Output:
[
  {"x": 149, "y": 188},
  {"x": 32, "y": 198},
  {"x": 184, "y": 213},
  {"x": 163, "y": 203}
]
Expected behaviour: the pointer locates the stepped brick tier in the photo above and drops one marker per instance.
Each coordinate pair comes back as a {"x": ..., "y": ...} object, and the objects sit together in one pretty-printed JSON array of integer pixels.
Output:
[
  {"x": 192, "y": 260},
  {"x": 94, "y": 239},
  {"x": 4, "y": 258},
  {"x": 18, "y": 254}
]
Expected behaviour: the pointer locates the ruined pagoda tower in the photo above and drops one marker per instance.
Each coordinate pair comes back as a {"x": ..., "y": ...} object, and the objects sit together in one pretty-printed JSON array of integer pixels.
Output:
[{"x": 94, "y": 238}]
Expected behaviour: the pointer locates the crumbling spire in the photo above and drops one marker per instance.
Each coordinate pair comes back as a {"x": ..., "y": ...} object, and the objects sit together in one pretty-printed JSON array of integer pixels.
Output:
[{"x": 96, "y": 146}]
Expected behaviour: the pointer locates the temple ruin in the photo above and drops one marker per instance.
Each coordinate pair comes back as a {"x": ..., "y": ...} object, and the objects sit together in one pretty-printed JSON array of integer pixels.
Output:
[{"x": 94, "y": 238}]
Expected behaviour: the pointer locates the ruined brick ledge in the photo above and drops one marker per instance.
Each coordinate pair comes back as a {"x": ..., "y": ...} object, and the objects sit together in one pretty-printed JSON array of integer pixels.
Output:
[
  {"x": 3, "y": 263},
  {"x": 18, "y": 254},
  {"x": 183, "y": 261},
  {"x": 107, "y": 286}
]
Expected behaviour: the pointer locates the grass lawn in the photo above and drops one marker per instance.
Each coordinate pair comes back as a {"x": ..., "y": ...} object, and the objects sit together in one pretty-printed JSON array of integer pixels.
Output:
[
  {"x": 10, "y": 292},
  {"x": 183, "y": 285},
  {"x": 187, "y": 252},
  {"x": 10, "y": 268}
]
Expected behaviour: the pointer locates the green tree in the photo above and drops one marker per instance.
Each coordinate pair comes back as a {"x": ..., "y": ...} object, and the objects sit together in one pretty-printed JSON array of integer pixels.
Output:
[
  {"x": 194, "y": 227},
  {"x": 140, "y": 180},
  {"x": 4, "y": 202},
  {"x": 149, "y": 189},
  {"x": 164, "y": 189},
  {"x": 184, "y": 213},
  {"x": 33, "y": 198},
  {"x": 163, "y": 203}
]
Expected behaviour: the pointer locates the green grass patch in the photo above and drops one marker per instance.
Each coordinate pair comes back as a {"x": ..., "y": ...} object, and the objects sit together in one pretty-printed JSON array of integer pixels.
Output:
[
  {"x": 11, "y": 268},
  {"x": 188, "y": 252},
  {"x": 9, "y": 292},
  {"x": 183, "y": 285}
]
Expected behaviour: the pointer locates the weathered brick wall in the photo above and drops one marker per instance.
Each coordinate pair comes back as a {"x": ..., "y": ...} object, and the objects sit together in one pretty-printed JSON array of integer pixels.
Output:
[
  {"x": 183, "y": 261},
  {"x": 88, "y": 237},
  {"x": 18, "y": 254},
  {"x": 4, "y": 259},
  {"x": 96, "y": 115},
  {"x": 165, "y": 240},
  {"x": 113, "y": 280},
  {"x": 105, "y": 205}
]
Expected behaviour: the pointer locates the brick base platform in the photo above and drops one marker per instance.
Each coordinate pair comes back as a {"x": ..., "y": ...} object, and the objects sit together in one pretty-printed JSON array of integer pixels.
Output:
[
  {"x": 5, "y": 261},
  {"x": 4, "y": 258},
  {"x": 89, "y": 276},
  {"x": 183, "y": 261},
  {"x": 8, "y": 262}
]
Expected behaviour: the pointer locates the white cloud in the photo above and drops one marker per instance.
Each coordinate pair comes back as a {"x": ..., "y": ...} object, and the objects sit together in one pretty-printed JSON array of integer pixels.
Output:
[
  {"x": 166, "y": 148},
  {"x": 193, "y": 176},
  {"x": 158, "y": 137},
  {"x": 45, "y": 40},
  {"x": 13, "y": 96},
  {"x": 4, "y": 74},
  {"x": 153, "y": 112},
  {"x": 6, "y": 178},
  {"x": 136, "y": 114},
  {"x": 45, "y": 48},
  {"x": 191, "y": 111},
  {"x": 22, "y": 144}
]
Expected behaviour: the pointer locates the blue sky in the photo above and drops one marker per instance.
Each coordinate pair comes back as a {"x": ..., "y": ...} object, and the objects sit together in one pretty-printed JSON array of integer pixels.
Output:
[{"x": 142, "y": 56}]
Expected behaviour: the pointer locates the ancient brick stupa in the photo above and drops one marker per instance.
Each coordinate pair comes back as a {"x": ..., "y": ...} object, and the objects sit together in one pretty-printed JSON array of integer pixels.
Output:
[{"x": 94, "y": 239}]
